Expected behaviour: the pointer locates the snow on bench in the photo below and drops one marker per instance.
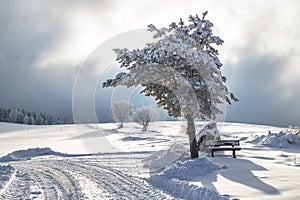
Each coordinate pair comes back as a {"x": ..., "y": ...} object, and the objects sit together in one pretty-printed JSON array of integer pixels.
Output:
[
  {"x": 218, "y": 146},
  {"x": 227, "y": 143}
]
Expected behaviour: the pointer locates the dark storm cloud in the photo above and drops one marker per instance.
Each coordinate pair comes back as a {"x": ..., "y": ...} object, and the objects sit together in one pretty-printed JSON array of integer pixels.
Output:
[
  {"x": 28, "y": 29},
  {"x": 38, "y": 63},
  {"x": 37, "y": 67},
  {"x": 263, "y": 66},
  {"x": 37, "y": 91},
  {"x": 256, "y": 81},
  {"x": 266, "y": 81}
]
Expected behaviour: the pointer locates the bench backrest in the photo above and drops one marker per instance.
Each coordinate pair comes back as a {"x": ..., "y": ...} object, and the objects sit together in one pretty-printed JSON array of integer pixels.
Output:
[{"x": 227, "y": 143}]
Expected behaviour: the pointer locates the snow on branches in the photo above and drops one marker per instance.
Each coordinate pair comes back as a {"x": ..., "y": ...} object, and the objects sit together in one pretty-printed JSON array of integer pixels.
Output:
[
  {"x": 181, "y": 69},
  {"x": 121, "y": 111},
  {"x": 145, "y": 115}
]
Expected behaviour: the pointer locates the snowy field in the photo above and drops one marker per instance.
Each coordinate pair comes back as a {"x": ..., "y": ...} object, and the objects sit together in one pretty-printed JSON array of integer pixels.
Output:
[{"x": 99, "y": 161}]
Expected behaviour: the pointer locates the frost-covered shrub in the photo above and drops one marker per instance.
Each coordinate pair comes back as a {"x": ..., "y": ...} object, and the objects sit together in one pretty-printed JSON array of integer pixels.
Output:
[
  {"x": 207, "y": 135},
  {"x": 293, "y": 129}
]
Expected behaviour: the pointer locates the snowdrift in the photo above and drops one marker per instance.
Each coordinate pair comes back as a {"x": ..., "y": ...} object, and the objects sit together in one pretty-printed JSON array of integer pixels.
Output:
[
  {"x": 160, "y": 159},
  {"x": 174, "y": 179},
  {"x": 29, "y": 153},
  {"x": 278, "y": 140},
  {"x": 187, "y": 170}
]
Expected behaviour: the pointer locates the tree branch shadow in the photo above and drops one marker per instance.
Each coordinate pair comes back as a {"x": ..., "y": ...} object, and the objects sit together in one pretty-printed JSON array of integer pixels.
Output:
[{"x": 239, "y": 171}]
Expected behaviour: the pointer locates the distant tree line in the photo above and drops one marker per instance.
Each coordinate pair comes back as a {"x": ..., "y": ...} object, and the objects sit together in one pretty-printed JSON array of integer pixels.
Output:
[{"x": 32, "y": 118}]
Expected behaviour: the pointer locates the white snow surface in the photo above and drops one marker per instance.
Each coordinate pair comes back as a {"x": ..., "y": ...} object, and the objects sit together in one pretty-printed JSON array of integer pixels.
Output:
[
  {"x": 174, "y": 179},
  {"x": 189, "y": 169},
  {"x": 100, "y": 161},
  {"x": 184, "y": 190}
]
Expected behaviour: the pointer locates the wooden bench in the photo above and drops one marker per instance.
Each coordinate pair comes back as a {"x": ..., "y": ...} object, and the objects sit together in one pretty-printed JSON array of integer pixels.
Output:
[{"x": 218, "y": 146}]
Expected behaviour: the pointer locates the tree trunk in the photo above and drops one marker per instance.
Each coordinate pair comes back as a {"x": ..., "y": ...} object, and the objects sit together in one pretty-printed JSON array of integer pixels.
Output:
[
  {"x": 192, "y": 136},
  {"x": 145, "y": 127}
]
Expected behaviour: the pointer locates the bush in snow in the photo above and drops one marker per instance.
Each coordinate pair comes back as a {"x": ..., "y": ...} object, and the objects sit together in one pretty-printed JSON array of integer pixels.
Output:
[
  {"x": 121, "y": 111},
  {"x": 293, "y": 129},
  {"x": 207, "y": 136},
  {"x": 181, "y": 70},
  {"x": 145, "y": 115}
]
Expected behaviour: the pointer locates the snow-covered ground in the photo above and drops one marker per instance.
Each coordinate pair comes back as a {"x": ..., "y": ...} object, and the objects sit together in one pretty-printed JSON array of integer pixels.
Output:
[{"x": 99, "y": 161}]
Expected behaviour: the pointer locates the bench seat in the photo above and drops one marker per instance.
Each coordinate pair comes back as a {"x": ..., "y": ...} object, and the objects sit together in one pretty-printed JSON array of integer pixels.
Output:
[{"x": 227, "y": 143}]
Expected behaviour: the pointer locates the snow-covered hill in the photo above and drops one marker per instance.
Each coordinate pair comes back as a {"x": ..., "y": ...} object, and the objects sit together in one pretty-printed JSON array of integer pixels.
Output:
[{"x": 99, "y": 161}]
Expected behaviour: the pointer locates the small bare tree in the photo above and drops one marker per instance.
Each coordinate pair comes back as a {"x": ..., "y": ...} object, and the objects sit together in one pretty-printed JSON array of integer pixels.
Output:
[
  {"x": 145, "y": 115},
  {"x": 121, "y": 111}
]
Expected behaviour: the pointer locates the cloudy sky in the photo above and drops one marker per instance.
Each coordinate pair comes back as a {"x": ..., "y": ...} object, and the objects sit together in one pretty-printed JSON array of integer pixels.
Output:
[{"x": 43, "y": 44}]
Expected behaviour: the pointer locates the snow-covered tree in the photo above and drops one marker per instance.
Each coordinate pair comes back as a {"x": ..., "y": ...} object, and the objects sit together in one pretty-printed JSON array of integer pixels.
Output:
[
  {"x": 121, "y": 111},
  {"x": 26, "y": 119},
  {"x": 13, "y": 115},
  {"x": 2, "y": 114},
  {"x": 39, "y": 119},
  {"x": 181, "y": 70},
  {"x": 145, "y": 115}
]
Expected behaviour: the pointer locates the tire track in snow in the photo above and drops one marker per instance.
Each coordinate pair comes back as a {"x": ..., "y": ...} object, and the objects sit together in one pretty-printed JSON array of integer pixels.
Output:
[
  {"x": 55, "y": 182},
  {"x": 76, "y": 179},
  {"x": 114, "y": 182},
  {"x": 18, "y": 187}
]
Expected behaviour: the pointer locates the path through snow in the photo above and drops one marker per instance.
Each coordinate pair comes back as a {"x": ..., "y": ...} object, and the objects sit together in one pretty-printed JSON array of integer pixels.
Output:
[{"x": 74, "y": 179}]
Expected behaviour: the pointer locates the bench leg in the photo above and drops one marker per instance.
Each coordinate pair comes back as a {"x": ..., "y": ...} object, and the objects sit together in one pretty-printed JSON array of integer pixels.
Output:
[
  {"x": 233, "y": 154},
  {"x": 212, "y": 153}
]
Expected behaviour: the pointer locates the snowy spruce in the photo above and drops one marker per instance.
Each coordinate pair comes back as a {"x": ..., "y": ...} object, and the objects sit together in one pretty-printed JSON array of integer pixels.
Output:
[
  {"x": 180, "y": 70},
  {"x": 22, "y": 116}
]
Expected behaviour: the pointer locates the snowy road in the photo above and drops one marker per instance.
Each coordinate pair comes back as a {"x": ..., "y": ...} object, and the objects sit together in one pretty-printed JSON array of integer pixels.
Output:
[{"x": 74, "y": 179}]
